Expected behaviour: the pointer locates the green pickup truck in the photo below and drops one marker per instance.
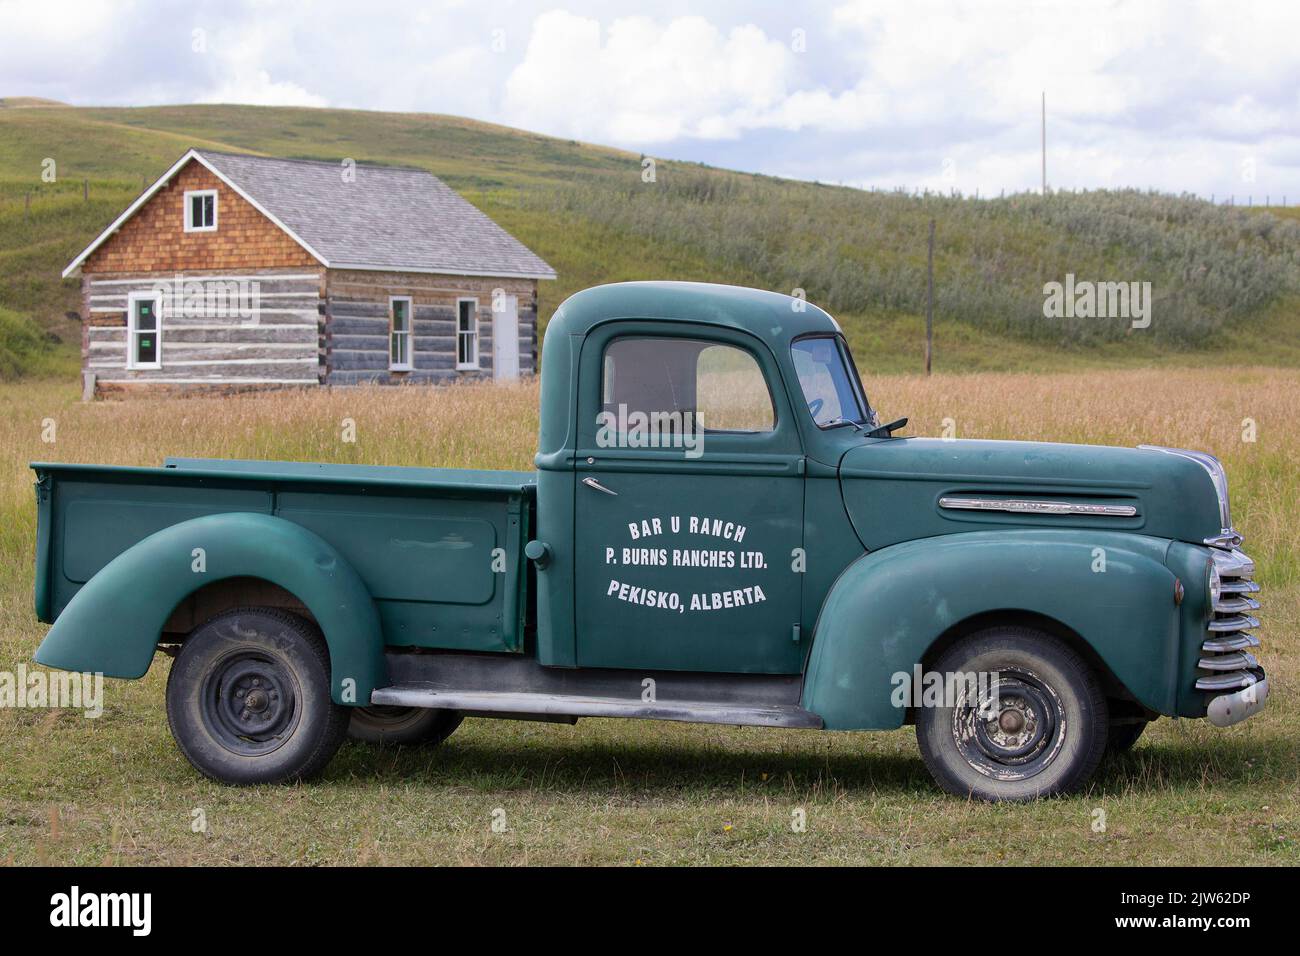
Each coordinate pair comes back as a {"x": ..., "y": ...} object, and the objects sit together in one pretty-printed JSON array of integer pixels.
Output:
[{"x": 718, "y": 530}]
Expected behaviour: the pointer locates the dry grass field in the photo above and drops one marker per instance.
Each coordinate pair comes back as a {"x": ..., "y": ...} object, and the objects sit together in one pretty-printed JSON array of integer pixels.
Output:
[{"x": 116, "y": 790}]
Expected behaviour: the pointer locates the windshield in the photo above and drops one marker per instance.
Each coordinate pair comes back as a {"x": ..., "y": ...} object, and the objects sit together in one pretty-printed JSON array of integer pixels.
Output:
[{"x": 830, "y": 386}]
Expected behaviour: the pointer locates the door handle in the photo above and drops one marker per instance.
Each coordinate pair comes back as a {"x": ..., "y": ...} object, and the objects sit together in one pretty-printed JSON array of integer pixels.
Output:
[{"x": 593, "y": 483}]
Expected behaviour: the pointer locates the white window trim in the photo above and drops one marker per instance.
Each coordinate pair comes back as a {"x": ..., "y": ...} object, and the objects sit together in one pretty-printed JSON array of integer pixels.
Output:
[
  {"x": 189, "y": 210},
  {"x": 131, "y": 331},
  {"x": 408, "y": 365},
  {"x": 474, "y": 364}
]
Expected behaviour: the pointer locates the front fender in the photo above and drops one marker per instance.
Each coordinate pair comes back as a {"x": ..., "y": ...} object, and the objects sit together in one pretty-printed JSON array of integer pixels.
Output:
[
  {"x": 890, "y": 606},
  {"x": 113, "y": 624}
]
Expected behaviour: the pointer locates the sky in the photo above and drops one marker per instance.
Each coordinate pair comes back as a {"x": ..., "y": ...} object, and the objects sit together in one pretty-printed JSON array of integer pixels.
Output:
[{"x": 1198, "y": 97}]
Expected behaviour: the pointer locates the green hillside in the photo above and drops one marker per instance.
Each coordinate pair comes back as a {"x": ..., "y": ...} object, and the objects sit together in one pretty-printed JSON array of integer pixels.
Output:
[{"x": 1226, "y": 282}]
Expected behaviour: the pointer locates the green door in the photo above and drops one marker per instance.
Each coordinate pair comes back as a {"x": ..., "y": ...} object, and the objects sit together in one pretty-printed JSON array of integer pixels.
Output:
[{"x": 689, "y": 504}]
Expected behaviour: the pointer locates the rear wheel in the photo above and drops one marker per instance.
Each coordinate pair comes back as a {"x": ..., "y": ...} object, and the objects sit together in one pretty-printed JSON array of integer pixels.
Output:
[
  {"x": 248, "y": 698},
  {"x": 1035, "y": 727},
  {"x": 402, "y": 725}
]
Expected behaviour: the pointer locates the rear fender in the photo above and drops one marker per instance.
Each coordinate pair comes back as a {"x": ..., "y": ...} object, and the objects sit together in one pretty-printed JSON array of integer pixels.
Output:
[
  {"x": 889, "y": 607},
  {"x": 113, "y": 624}
]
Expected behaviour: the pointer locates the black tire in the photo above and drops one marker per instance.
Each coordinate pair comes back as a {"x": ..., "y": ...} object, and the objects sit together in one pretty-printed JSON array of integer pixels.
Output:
[
  {"x": 248, "y": 698},
  {"x": 1121, "y": 737},
  {"x": 402, "y": 725},
  {"x": 1050, "y": 732}
]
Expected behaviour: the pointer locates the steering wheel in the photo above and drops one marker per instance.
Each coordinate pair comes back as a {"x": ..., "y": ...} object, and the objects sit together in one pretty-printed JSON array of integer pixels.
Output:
[{"x": 815, "y": 406}]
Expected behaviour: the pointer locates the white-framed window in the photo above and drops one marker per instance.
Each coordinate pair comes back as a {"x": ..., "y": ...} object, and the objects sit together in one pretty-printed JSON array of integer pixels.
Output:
[
  {"x": 400, "y": 314},
  {"x": 143, "y": 330},
  {"x": 467, "y": 333},
  {"x": 201, "y": 210}
]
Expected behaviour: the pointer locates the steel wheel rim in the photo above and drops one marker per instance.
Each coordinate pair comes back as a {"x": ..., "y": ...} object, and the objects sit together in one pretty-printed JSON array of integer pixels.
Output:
[
  {"x": 250, "y": 702},
  {"x": 1013, "y": 732}
]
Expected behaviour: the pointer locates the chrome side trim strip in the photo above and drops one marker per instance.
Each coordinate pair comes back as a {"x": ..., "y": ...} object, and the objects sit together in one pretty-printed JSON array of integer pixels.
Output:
[{"x": 1023, "y": 506}]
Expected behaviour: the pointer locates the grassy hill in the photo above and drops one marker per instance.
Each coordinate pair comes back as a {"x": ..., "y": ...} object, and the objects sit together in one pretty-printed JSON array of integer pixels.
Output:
[{"x": 1226, "y": 282}]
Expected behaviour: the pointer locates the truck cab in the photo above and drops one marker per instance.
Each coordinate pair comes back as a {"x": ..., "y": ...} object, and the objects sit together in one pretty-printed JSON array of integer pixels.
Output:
[
  {"x": 686, "y": 444},
  {"x": 718, "y": 529}
]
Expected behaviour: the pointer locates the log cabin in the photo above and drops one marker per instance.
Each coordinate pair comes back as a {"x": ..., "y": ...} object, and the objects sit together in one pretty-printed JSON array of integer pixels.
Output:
[{"x": 235, "y": 272}]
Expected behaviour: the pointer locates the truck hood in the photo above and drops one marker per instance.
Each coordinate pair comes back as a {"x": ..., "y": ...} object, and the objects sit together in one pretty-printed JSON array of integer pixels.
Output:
[{"x": 900, "y": 489}]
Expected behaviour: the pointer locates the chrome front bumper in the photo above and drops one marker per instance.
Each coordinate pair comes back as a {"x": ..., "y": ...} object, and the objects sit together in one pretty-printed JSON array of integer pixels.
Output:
[{"x": 1234, "y": 708}]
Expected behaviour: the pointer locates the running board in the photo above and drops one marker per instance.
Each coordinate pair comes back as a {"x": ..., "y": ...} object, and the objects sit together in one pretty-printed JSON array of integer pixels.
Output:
[{"x": 561, "y": 705}]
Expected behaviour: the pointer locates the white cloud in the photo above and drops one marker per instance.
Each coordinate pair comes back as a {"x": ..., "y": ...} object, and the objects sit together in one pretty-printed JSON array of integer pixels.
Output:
[
  {"x": 257, "y": 88},
  {"x": 1161, "y": 93},
  {"x": 240, "y": 63},
  {"x": 642, "y": 82},
  {"x": 46, "y": 43}
]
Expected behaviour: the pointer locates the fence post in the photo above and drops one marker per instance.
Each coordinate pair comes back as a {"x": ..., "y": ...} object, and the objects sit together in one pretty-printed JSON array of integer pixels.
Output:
[
  {"x": 27, "y": 207},
  {"x": 929, "y": 300}
]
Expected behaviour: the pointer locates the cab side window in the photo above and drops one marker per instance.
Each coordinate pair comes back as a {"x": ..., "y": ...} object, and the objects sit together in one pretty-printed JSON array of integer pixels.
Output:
[
  {"x": 731, "y": 392},
  {"x": 675, "y": 386}
]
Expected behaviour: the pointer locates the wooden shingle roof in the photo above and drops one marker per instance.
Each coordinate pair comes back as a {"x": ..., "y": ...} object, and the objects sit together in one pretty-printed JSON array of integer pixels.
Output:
[{"x": 363, "y": 217}]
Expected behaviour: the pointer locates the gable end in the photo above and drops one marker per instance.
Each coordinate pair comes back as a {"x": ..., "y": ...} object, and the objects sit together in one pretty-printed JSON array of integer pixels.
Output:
[{"x": 151, "y": 235}]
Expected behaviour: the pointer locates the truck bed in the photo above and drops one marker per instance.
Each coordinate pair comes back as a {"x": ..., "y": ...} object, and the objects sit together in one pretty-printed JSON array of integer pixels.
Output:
[{"x": 423, "y": 540}]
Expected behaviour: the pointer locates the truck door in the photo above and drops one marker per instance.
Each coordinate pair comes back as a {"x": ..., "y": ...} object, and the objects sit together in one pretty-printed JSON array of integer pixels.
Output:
[{"x": 689, "y": 503}]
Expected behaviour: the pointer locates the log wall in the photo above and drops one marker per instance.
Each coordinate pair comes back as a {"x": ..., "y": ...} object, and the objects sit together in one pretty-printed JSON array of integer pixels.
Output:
[
  {"x": 357, "y": 325},
  {"x": 234, "y": 329}
]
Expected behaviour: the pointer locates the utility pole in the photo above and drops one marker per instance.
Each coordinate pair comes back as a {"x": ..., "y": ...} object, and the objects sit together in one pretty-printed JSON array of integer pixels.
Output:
[
  {"x": 1044, "y": 142},
  {"x": 929, "y": 301}
]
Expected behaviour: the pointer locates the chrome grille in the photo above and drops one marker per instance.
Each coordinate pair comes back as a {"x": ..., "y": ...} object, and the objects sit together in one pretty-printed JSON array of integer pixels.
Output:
[{"x": 1226, "y": 661}]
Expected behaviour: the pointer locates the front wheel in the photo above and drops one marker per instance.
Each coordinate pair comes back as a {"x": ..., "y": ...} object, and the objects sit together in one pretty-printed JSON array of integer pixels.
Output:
[
  {"x": 248, "y": 698},
  {"x": 1026, "y": 718}
]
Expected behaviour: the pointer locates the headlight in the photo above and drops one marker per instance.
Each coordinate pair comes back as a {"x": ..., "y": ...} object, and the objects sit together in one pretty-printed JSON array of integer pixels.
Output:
[{"x": 1215, "y": 585}]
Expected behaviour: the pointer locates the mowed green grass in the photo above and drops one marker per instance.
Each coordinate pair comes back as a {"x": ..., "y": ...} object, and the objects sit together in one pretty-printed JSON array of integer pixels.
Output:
[{"x": 115, "y": 789}]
